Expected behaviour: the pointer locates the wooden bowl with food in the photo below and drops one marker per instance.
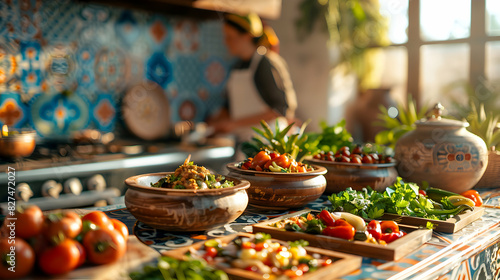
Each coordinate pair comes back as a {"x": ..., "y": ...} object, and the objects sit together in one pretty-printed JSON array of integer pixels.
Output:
[
  {"x": 356, "y": 169},
  {"x": 278, "y": 184},
  {"x": 189, "y": 199}
]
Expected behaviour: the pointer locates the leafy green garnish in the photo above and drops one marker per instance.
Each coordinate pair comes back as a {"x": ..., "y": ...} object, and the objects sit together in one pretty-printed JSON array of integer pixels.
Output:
[
  {"x": 298, "y": 243},
  {"x": 401, "y": 198},
  {"x": 169, "y": 268},
  {"x": 261, "y": 237}
]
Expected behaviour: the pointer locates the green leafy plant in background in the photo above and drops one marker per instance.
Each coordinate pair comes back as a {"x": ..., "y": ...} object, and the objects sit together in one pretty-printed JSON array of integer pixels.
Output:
[
  {"x": 396, "y": 125},
  {"x": 484, "y": 125},
  {"x": 298, "y": 145},
  {"x": 354, "y": 27}
]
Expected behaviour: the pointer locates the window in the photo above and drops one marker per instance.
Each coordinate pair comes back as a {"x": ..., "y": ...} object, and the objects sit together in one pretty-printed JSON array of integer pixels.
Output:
[{"x": 441, "y": 43}]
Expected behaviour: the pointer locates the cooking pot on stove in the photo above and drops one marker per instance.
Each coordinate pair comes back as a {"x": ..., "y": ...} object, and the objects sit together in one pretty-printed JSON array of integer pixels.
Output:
[{"x": 441, "y": 152}]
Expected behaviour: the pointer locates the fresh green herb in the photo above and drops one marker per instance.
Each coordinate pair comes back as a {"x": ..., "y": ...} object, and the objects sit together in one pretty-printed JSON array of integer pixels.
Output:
[
  {"x": 401, "y": 199},
  {"x": 261, "y": 237},
  {"x": 314, "y": 226},
  {"x": 171, "y": 269},
  {"x": 298, "y": 243},
  {"x": 291, "y": 226}
]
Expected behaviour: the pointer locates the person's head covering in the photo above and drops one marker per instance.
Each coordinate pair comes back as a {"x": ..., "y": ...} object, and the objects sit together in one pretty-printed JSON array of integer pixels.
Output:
[
  {"x": 269, "y": 38},
  {"x": 249, "y": 23}
]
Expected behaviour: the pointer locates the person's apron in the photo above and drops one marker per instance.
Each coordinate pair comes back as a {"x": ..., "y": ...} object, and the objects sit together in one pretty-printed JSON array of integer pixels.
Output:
[{"x": 245, "y": 100}]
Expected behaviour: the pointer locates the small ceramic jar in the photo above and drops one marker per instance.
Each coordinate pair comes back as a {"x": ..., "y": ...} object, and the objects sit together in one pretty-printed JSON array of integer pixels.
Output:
[{"x": 443, "y": 153}]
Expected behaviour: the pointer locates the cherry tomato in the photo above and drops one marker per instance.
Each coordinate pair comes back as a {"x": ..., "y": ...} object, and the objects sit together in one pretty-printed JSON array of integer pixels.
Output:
[
  {"x": 274, "y": 155},
  {"x": 422, "y": 192},
  {"x": 22, "y": 258},
  {"x": 283, "y": 160},
  {"x": 326, "y": 218},
  {"x": 390, "y": 237},
  {"x": 260, "y": 159},
  {"x": 246, "y": 165},
  {"x": 356, "y": 159},
  {"x": 83, "y": 254},
  {"x": 304, "y": 267},
  {"x": 293, "y": 273},
  {"x": 367, "y": 159},
  {"x": 261, "y": 246},
  {"x": 375, "y": 157},
  {"x": 100, "y": 219},
  {"x": 374, "y": 229},
  {"x": 61, "y": 258},
  {"x": 248, "y": 245},
  {"x": 389, "y": 226},
  {"x": 120, "y": 227},
  {"x": 357, "y": 150},
  {"x": 29, "y": 221},
  {"x": 329, "y": 158},
  {"x": 344, "y": 232},
  {"x": 211, "y": 252},
  {"x": 58, "y": 227},
  {"x": 104, "y": 246},
  {"x": 345, "y": 151},
  {"x": 474, "y": 196},
  {"x": 345, "y": 159}
]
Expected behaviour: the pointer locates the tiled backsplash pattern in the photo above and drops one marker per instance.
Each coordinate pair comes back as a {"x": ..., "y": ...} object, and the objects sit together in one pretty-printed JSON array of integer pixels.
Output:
[{"x": 65, "y": 65}]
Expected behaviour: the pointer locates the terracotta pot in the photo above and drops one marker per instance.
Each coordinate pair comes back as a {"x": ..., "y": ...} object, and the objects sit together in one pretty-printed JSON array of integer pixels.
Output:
[
  {"x": 279, "y": 191},
  {"x": 17, "y": 145},
  {"x": 443, "y": 153},
  {"x": 184, "y": 210},
  {"x": 341, "y": 175}
]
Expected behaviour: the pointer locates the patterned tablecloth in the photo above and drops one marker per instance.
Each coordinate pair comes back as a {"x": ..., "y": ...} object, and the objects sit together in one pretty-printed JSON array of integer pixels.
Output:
[{"x": 471, "y": 253}]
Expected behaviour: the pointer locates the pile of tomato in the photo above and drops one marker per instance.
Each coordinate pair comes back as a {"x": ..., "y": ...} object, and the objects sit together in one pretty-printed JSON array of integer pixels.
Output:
[
  {"x": 357, "y": 155},
  {"x": 58, "y": 243},
  {"x": 274, "y": 162}
]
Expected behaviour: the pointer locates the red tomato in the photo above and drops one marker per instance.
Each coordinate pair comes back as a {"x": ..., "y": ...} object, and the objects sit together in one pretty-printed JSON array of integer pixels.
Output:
[
  {"x": 120, "y": 227},
  {"x": 357, "y": 150},
  {"x": 304, "y": 267},
  {"x": 248, "y": 245},
  {"x": 345, "y": 159},
  {"x": 374, "y": 229},
  {"x": 83, "y": 254},
  {"x": 367, "y": 159},
  {"x": 274, "y": 155},
  {"x": 344, "y": 232},
  {"x": 104, "y": 246},
  {"x": 57, "y": 227},
  {"x": 29, "y": 221},
  {"x": 341, "y": 222},
  {"x": 260, "y": 159},
  {"x": 22, "y": 258},
  {"x": 389, "y": 226},
  {"x": 60, "y": 259},
  {"x": 356, "y": 159},
  {"x": 261, "y": 246},
  {"x": 390, "y": 237},
  {"x": 422, "y": 192},
  {"x": 283, "y": 160},
  {"x": 246, "y": 165},
  {"x": 100, "y": 219},
  {"x": 326, "y": 218},
  {"x": 474, "y": 196},
  {"x": 211, "y": 252}
]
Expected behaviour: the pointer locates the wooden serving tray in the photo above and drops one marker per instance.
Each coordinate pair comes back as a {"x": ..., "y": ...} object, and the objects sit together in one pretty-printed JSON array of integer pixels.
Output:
[
  {"x": 392, "y": 251},
  {"x": 451, "y": 225},
  {"x": 342, "y": 264}
]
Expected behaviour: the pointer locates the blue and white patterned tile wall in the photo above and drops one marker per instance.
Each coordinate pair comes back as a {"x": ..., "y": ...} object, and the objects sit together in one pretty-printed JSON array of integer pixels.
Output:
[{"x": 97, "y": 53}]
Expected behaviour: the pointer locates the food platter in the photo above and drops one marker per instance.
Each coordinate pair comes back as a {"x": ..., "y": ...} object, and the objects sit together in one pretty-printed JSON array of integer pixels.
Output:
[
  {"x": 343, "y": 264},
  {"x": 451, "y": 225},
  {"x": 392, "y": 251}
]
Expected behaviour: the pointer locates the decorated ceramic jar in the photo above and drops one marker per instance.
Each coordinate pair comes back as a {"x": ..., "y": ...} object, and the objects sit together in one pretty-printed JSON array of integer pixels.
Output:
[{"x": 443, "y": 153}]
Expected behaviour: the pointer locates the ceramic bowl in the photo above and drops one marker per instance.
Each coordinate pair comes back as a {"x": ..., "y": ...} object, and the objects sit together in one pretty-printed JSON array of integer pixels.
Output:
[
  {"x": 279, "y": 191},
  {"x": 342, "y": 175},
  {"x": 182, "y": 209}
]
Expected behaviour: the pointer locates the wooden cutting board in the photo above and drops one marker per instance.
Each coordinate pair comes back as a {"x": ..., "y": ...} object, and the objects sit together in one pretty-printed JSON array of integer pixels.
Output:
[{"x": 136, "y": 257}]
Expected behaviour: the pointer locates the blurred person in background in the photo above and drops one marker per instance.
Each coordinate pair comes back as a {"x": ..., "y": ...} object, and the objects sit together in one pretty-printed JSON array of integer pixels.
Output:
[{"x": 259, "y": 85}]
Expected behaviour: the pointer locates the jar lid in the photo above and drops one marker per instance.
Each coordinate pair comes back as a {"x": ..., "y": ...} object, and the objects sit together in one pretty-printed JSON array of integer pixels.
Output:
[{"x": 434, "y": 119}]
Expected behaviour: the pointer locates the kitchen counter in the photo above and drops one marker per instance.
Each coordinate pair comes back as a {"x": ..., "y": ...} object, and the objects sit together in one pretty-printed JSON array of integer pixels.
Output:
[{"x": 471, "y": 253}]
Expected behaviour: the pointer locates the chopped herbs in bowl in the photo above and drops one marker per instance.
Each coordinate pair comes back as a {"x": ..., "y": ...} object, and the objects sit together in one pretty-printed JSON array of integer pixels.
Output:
[{"x": 191, "y": 176}]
